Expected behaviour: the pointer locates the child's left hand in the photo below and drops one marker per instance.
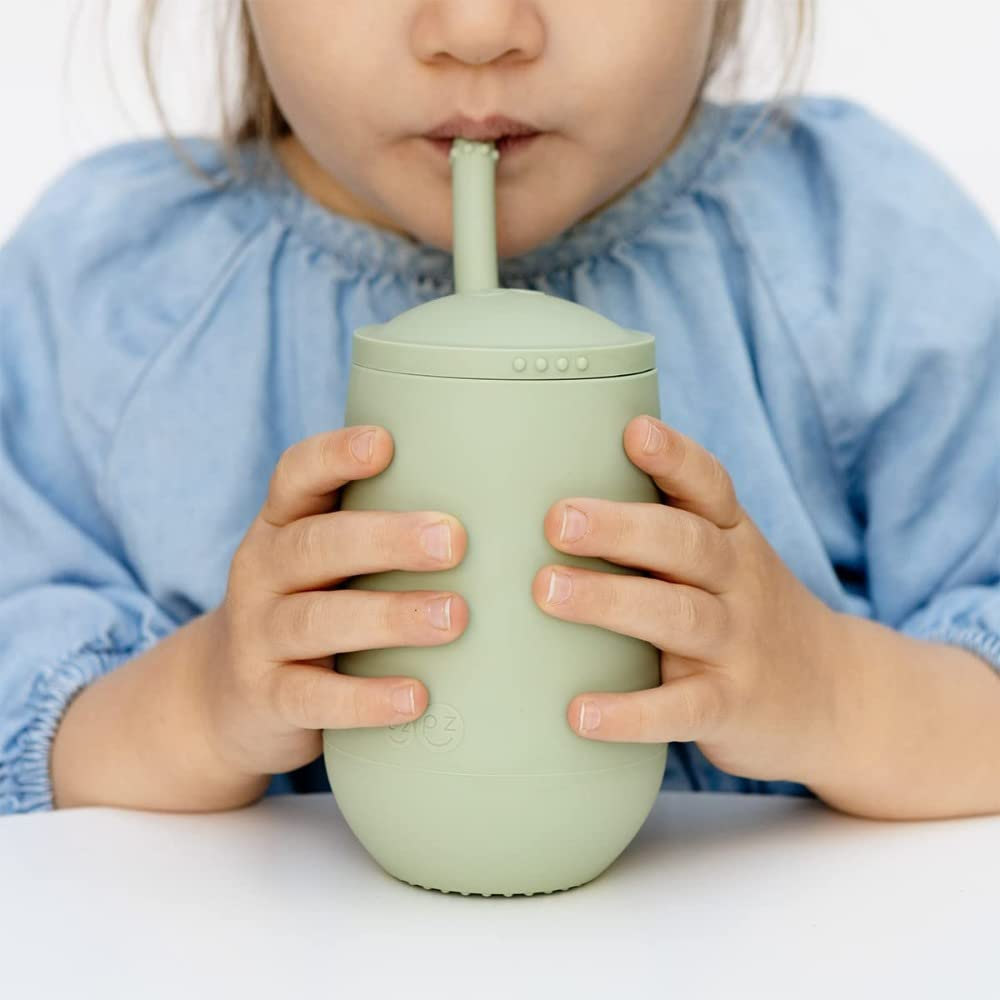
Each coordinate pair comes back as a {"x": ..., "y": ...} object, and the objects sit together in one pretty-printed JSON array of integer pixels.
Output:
[{"x": 749, "y": 655}]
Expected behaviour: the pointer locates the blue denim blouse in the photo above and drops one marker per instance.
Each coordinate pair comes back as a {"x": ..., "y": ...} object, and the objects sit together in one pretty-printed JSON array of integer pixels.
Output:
[{"x": 826, "y": 306}]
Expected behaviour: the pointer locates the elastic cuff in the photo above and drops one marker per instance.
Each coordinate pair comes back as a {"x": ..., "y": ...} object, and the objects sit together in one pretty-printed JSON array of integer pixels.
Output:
[
  {"x": 25, "y": 776},
  {"x": 981, "y": 641}
]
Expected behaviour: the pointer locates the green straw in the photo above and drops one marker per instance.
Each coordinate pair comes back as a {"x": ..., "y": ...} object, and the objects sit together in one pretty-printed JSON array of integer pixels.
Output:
[{"x": 473, "y": 204}]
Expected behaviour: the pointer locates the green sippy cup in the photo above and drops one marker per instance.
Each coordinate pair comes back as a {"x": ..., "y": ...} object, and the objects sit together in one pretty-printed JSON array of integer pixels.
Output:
[{"x": 500, "y": 402}]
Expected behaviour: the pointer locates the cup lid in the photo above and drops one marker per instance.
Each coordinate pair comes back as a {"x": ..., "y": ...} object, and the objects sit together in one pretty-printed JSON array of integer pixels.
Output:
[{"x": 503, "y": 333}]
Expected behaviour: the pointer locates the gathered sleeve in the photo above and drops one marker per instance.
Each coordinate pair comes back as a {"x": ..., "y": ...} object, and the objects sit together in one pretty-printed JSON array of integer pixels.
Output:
[
  {"x": 70, "y": 607},
  {"x": 903, "y": 343},
  {"x": 925, "y": 472}
]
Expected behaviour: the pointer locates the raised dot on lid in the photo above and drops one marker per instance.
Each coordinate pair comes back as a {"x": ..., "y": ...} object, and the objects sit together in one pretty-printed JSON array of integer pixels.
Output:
[
  {"x": 520, "y": 364},
  {"x": 562, "y": 364},
  {"x": 582, "y": 363},
  {"x": 541, "y": 364}
]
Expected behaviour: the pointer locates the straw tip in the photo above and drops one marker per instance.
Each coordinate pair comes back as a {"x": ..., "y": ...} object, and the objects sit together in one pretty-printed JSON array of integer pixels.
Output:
[{"x": 473, "y": 147}]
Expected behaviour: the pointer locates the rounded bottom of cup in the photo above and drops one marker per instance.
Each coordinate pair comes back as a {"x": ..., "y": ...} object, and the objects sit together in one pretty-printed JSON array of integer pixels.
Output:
[{"x": 493, "y": 834}]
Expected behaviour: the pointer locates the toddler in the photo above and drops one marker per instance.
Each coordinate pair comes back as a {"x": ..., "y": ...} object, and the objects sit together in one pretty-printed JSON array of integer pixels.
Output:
[{"x": 822, "y": 576}]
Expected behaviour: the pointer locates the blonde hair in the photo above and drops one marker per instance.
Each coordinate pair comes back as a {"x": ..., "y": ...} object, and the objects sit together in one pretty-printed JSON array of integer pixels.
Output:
[{"x": 259, "y": 118}]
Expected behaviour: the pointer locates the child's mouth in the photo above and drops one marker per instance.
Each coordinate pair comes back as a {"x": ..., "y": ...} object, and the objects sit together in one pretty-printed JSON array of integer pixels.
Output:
[{"x": 507, "y": 145}]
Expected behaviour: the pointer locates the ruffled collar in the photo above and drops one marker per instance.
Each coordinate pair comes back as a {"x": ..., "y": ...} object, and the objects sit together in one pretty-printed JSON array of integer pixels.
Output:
[{"x": 363, "y": 246}]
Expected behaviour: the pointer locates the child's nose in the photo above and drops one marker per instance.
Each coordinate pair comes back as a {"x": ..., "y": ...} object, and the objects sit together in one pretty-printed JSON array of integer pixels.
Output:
[{"x": 478, "y": 34}]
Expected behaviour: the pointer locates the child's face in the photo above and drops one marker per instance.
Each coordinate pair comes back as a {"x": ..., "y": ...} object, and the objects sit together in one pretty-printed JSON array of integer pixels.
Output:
[{"x": 609, "y": 83}]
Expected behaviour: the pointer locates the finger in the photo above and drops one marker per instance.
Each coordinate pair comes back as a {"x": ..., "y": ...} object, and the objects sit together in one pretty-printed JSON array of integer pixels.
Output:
[
  {"x": 310, "y": 472},
  {"x": 691, "y": 708},
  {"x": 672, "y": 616},
  {"x": 320, "y": 623},
  {"x": 324, "y": 549},
  {"x": 668, "y": 541},
  {"x": 691, "y": 476},
  {"x": 313, "y": 697}
]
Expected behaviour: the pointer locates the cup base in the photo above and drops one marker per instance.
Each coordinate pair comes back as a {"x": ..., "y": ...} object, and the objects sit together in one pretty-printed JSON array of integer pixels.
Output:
[{"x": 493, "y": 834}]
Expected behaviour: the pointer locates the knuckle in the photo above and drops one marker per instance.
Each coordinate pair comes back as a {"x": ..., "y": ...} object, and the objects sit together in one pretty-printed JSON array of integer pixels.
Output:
[
  {"x": 692, "y": 709},
  {"x": 386, "y": 617},
  {"x": 723, "y": 619},
  {"x": 611, "y": 599},
  {"x": 721, "y": 482},
  {"x": 305, "y": 695},
  {"x": 692, "y": 539},
  {"x": 356, "y": 704},
  {"x": 304, "y": 615},
  {"x": 397, "y": 534},
  {"x": 645, "y": 722},
  {"x": 700, "y": 707},
  {"x": 622, "y": 528},
  {"x": 686, "y": 613},
  {"x": 305, "y": 540},
  {"x": 372, "y": 532}
]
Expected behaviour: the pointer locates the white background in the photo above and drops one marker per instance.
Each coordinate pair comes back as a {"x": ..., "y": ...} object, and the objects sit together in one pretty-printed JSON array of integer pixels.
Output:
[{"x": 68, "y": 87}]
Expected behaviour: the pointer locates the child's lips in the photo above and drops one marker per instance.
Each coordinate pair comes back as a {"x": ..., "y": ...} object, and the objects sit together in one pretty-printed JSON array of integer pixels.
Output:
[{"x": 506, "y": 146}]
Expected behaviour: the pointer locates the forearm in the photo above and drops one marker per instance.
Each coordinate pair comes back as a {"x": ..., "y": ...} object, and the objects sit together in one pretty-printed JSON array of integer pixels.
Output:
[
  {"x": 136, "y": 737},
  {"x": 918, "y": 728}
]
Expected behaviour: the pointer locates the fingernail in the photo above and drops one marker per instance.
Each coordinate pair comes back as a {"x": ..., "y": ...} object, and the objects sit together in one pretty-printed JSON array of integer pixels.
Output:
[
  {"x": 560, "y": 587},
  {"x": 437, "y": 540},
  {"x": 654, "y": 438},
  {"x": 363, "y": 446},
  {"x": 574, "y": 524},
  {"x": 439, "y": 612},
  {"x": 590, "y": 716},
  {"x": 403, "y": 700}
]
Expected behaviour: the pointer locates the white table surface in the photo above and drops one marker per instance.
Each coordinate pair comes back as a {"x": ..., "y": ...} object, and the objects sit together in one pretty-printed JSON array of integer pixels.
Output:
[{"x": 717, "y": 896}]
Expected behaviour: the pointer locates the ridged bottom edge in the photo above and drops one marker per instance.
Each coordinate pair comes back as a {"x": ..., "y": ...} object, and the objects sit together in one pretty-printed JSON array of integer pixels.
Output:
[{"x": 472, "y": 892}]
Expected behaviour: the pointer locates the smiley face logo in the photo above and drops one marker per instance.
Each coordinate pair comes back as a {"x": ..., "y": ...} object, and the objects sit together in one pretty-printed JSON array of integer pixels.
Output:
[
  {"x": 401, "y": 735},
  {"x": 441, "y": 727}
]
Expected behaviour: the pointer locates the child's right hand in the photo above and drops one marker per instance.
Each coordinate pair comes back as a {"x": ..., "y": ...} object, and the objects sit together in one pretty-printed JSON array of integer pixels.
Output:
[{"x": 271, "y": 689}]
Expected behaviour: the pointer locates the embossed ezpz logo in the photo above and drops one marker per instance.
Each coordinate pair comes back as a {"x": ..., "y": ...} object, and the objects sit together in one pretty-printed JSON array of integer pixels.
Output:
[{"x": 440, "y": 728}]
